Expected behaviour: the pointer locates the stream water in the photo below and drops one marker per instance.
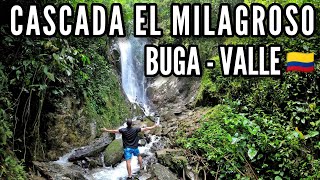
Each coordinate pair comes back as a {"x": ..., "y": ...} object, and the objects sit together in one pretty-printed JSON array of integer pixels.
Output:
[{"x": 134, "y": 86}]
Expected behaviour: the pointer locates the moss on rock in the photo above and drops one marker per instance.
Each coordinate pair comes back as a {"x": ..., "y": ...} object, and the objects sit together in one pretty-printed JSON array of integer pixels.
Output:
[
  {"x": 172, "y": 158},
  {"x": 113, "y": 153}
]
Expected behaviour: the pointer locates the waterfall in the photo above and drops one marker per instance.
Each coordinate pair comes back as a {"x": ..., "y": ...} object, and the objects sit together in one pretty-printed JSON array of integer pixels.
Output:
[
  {"x": 132, "y": 70},
  {"x": 134, "y": 85}
]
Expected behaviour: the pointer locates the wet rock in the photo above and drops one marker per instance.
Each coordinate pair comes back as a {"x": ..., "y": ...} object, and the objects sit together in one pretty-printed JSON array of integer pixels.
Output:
[
  {"x": 161, "y": 144},
  {"x": 167, "y": 130},
  {"x": 142, "y": 142},
  {"x": 52, "y": 155},
  {"x": 179, "y": 162},
  {"x": 158, "y": 130},
  {"x": 190, "y": 174},
  {"x": 93, "y": 149},
  {"x": 146, "y": 122},
  {"x": 143, "y": 155},
  {"x": 164, "y": 153},
  {"x": 94, "y": 162},
  {"x": 156, "y": 146},
  {"x": 172, "y": 158},
  {"x": 113, "y": 153},
  {"x": 50, "y": 170},
  {"x": 167, "y": 115},
  {"x": 148, "y": 139},
  {"x": 84, "y": 164},
  {"x": 161, "y": 172},
  {"x": 69, "y": 126},
  {"x": 145, "y": 176},
  {"x": 148, "y": 118},
  {"x": 172, "y": 122},
  {"x": 33, "y": 176},
  {"x": 136, "y": 123},
  {"x": 190, "y": 113}
]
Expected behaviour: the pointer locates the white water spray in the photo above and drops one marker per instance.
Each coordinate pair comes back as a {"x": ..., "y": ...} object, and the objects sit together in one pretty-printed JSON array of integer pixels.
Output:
[
  {"x": 132, "y": 71},
  {"x": 120, "y": 171}
]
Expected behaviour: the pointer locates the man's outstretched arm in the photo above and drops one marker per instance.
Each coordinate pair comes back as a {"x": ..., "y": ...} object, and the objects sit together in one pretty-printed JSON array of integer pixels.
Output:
[
  {"x": 149, "y": 128},
  {"x": 110, "y": 130}
]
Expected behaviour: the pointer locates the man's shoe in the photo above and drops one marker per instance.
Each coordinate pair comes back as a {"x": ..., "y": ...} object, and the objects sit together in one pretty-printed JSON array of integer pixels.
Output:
[{"x": 129, "y": 178}]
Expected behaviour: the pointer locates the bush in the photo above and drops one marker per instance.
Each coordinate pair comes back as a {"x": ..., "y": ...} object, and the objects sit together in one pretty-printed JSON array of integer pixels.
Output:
[
  {"x": 10, "y": 167},
  {"x": 256, "y": 146}
]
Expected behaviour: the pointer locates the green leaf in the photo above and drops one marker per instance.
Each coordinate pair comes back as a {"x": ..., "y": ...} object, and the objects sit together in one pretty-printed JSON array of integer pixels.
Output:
[
  {"x": 50, "y": 76},
  {"x": 55, "y": 92},
  {"x": 235, "y": 140},
  {"x": 311, "y": 134},
  {"x": 45, "y": 69},
  {"x": 277, "y": 178},
  {"x": 43, "y": 86},
  {"x": 68, "y": 71},
  {"x": 55, "y": 56},
  {"x": 252, "y": 153}
]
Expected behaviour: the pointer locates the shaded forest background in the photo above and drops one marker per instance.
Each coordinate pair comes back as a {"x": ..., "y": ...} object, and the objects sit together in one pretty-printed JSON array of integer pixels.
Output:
[{"x": 52, "y": 90}]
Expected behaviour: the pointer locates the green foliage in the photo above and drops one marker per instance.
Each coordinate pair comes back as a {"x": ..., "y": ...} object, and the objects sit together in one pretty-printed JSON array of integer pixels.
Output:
[
  {"x": 259, "y": 145},
  {"x": 10, "y": 166},
  {"x": 36, "y": 74},
  {"x": 106, "y": 103},
  {"x": 268, "y": 127}
]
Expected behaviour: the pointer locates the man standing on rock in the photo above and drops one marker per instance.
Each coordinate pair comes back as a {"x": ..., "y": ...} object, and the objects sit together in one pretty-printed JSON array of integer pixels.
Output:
[{"x": 130, "y": 143}]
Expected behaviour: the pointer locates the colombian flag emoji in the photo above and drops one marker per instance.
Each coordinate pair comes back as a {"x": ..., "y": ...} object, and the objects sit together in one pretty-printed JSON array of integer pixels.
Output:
[{"x": 301, "y": 62}]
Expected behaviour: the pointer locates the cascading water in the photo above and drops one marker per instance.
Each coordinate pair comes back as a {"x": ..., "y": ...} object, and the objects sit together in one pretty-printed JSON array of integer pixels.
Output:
[
  {"x": 132, "y": 70},
  {"x": 134, "y": 86}
]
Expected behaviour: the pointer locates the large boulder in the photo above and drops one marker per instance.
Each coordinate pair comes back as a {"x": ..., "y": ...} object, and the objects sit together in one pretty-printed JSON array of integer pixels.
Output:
[
  {"x": 51, "y": 170},
  {"x": 113, "y": 153},
  {"x": 161, "y": 172},
  {"x": 93, "y": 149}
]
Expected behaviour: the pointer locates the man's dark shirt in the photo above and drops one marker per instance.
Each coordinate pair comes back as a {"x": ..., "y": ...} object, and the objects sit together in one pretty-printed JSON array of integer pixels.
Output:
[{"x": 130, "y": 137}]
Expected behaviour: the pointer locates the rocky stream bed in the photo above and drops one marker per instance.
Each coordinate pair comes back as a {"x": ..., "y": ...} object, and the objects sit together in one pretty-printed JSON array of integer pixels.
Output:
[{"x": 102, "y": 159}]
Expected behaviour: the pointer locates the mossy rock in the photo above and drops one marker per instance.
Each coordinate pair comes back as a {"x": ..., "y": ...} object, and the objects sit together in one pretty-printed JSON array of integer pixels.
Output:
[
  {"x": 113, "y": 153},
  {"x": 179, "y": 161},
  {"x": 136, "y": 110},
  {"x": 172, "y": 158},
  {"x": 161, "y": 172},
  {"x": 147, "y": 122},
  {"x": 141, "y": 135}
]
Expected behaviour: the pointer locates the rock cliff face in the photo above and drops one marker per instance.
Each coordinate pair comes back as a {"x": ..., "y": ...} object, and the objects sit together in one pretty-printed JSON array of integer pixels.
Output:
[
  {"x": 172, "y": 92},
  {"x": 68, "y": 128},
  {"x": 174, "y": 100}
]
